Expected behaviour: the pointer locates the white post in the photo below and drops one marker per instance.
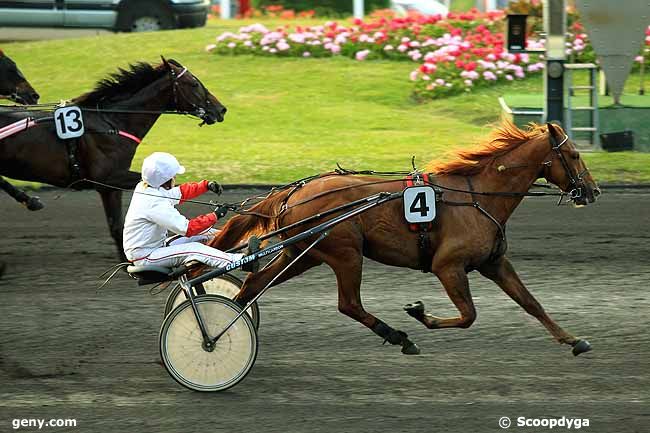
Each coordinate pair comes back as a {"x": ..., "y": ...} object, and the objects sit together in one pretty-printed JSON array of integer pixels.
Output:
[
  {"x": 225, "y": 9},
  {"x": 358, "y": 9}
]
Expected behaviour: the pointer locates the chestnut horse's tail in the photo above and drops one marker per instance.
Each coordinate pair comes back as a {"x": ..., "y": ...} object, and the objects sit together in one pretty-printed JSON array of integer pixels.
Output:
[{"x": 258, "y": 220}]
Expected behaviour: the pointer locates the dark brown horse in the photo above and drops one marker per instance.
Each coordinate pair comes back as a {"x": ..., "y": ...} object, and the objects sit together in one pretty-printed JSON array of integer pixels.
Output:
[
  {"x": 15, "y": 87},
  {"x": 13, "y": 84},
  {"x": 117, "y": 114},
  {"x": 467, "y": 234}
]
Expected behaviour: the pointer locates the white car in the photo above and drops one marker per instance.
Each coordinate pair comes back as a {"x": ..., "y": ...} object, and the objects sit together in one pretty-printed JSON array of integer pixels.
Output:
[
  {"x": 120, "y": 15},
  {"x": 424, "y": 7}
]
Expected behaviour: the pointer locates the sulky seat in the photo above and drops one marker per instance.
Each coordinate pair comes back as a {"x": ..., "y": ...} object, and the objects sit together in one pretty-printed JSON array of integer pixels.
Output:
[{"x": 149, "y": 274}]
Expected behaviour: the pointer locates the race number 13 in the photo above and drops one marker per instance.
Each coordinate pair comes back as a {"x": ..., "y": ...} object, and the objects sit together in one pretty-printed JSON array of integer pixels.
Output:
[
  {"x": 69, "y": 122},
  {"x": 419, "y": 204}
]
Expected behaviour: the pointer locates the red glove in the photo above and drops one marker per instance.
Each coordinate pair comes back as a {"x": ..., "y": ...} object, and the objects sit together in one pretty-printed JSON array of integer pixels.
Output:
[{"x": 200, "y": 224}]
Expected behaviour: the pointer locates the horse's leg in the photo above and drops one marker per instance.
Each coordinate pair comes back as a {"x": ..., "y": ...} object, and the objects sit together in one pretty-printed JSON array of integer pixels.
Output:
[
  {"x": 347, "y": 265},
  {"x": 112, "y": 201},
  {"x": 31, "y": 203},
  {"x": 349, "y": 282},
  {"x": 454, "y": 280},
  {"x": 503, "y": 273}
]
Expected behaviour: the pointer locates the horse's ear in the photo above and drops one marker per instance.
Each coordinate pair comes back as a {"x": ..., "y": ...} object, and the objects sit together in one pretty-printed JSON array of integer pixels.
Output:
[
  {"x": 552, "y": 132},
  {"x": 164, "y": 60},
  {"x": 1, "y": 53}
]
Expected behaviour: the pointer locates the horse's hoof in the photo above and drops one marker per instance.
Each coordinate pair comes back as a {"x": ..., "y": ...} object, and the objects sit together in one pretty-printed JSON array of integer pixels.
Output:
[
  {"x": 410, "y": 349},
  {"x": 416, "y": 309},
  {"x": 581, "y": 346},
  {"x": 34, "y": 203}
]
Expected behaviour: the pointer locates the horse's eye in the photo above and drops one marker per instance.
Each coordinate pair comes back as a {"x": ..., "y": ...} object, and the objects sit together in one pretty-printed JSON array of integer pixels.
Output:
[
  {"x": 195, "y": 83},
  {"x": 575, "y": 155}
]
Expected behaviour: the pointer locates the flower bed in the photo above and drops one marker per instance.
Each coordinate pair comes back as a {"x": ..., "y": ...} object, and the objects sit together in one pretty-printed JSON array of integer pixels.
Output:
[{"x": 453, "y": 54}]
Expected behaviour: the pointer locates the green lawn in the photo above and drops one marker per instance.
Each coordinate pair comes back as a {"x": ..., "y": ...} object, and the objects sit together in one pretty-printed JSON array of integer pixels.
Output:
[{"x": 288, "y": 118}]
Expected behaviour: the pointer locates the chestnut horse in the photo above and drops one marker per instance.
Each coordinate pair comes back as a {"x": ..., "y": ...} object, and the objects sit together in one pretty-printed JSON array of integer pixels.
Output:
[
  {"x": 117, "y": 114},
  {"x": 467, "y": 234}
]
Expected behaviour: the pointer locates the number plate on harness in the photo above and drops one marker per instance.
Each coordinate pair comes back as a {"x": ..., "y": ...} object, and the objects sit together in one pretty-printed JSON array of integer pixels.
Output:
[
  {"x": 69, "y": 122},
  {"x": 419, "y": 204}
]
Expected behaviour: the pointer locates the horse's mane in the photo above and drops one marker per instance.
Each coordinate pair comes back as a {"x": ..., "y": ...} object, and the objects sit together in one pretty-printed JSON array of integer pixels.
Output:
[
  {"x": 123, "y": 84},
  {"x": 504, "y": 138}
]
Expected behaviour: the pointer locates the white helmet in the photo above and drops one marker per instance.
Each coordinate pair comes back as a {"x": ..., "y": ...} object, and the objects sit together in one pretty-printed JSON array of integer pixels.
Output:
[{"x": 159, "y": 167}]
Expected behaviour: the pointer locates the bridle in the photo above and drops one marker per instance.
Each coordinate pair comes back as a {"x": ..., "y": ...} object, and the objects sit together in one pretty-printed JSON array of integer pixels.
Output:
[
  {"x": 177, "y": 90},
  {"x": 576, "y": 182}
]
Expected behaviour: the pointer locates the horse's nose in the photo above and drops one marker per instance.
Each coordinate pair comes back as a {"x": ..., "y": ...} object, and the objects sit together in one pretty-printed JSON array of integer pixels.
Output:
[
  {"x": 35, "y": 97},
  {"x": 597, "y": 192},
  {"x": 223, "y": 110}
]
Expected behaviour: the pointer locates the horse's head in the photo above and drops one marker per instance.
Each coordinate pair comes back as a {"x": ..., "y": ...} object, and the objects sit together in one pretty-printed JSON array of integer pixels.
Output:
[
  {"x": 13, "y": 84},
  {"x": 190, "y": 95},
  {"x": 565, "y": 168}
]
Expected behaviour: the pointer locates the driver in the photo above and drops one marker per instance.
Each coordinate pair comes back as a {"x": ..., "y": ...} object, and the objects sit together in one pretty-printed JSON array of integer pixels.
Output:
[{"x": 152, "y": 214}]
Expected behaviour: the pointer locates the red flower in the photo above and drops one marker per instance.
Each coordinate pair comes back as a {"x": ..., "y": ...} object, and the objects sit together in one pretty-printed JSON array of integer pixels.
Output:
[{"x": 470, "y": 66}]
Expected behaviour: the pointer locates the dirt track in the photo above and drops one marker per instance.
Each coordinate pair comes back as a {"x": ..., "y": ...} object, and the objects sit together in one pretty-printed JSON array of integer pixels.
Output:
[{"x": 67, "y": 351}]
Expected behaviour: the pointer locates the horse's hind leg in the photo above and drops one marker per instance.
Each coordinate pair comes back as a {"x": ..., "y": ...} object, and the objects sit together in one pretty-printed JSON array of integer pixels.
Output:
[
  {"x": 503, "y": 273},
  {"x": 31, "y": 203},
  {"x": 112, "y": 201},
  {"x": 347, "y": 265},
  {"x": 454, "y": 280}
]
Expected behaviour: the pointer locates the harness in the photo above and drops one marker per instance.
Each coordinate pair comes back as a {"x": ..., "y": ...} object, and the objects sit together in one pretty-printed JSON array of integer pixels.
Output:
[
  {"x": 72, "y": 145},
  {"x": 425, "y": 252}
]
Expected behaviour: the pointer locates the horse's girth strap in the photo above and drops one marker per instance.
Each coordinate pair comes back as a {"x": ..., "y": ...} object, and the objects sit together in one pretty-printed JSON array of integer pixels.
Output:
[{"x": 424, "y": 242}]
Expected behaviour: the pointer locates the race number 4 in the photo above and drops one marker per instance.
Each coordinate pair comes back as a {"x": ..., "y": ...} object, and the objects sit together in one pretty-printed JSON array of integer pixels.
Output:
[
  {"x": 419, "y": 204},
  {"x": 69, "y": 122}
]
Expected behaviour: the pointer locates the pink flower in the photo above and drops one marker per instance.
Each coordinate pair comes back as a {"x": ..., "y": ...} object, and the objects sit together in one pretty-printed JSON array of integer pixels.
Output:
[
  {"x": 413, "y": 75},
  {"x": 210, "y": 47},
  {"x": 489, "y": 75},
  {"x": 335, "y": 49},
  {"x": 509, "y": 77},
  {"x": 468, "y": 83},
  {"x": 636, "y": 59},
  {"x": 361, "y": 55},
  {"x": 306, "y": 54},
  {"x": 388, "y": 48},
  {"x": 232, "y": 45},
  {"x": 401, "y": 48}
]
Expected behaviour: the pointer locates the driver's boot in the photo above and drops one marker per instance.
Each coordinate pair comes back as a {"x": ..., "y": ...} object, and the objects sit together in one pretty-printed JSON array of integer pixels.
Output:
[{"x": 253, "y": 247}]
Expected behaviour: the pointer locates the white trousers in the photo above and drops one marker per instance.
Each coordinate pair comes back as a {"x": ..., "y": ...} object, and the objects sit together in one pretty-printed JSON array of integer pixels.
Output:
[{"x": 182, "y": 250}]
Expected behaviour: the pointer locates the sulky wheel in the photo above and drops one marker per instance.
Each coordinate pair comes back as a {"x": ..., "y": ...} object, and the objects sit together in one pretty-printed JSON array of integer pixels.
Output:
[
  {"x": 182, "y": 349},
  {"x": 225, "y": 285}
]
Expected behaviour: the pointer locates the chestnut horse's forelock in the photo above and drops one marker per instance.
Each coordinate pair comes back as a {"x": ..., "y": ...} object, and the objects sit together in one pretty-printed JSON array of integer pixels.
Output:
[{"x": 504, "y": 138}]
